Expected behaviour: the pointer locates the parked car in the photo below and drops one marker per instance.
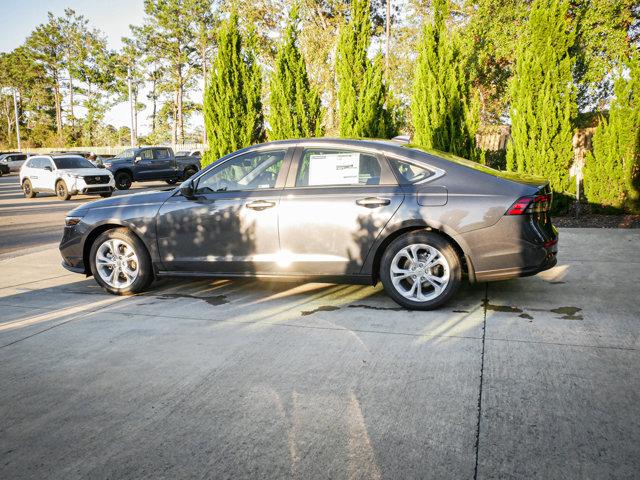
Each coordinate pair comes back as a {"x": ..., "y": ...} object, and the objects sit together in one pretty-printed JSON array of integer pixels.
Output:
[
  {"x": 189, "y": 153},
  {"x": 323, "y": 209},
  {"x": 13, "y": 161},
  {"x": 150, "y": 163},
  {"x": 64, "y": 175}
]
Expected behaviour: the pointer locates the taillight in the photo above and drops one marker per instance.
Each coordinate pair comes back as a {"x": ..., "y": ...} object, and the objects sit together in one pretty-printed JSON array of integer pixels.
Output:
[{"x": 535, "y": 204}]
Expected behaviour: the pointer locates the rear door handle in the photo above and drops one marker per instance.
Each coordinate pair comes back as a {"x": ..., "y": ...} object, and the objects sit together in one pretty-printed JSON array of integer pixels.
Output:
[
  {"x": 373, "y": 202},
  {"x": 260, "y": 204}
]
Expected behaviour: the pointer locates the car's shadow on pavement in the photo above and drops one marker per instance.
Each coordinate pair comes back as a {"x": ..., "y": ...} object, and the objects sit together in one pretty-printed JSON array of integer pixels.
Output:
[{"x": 240, "y": 302}]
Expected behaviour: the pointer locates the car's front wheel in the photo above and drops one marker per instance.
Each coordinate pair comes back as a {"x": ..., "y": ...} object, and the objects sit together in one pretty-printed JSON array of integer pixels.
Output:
[
  {"x": 123, "y": 180},
  {"x": 62, "y": 191},
  {"x": 120, "y": 262},
  {"x": 27, "y": 189},
  {"x": 420, "y": 270},
  {"x": 188, "y": 173}
]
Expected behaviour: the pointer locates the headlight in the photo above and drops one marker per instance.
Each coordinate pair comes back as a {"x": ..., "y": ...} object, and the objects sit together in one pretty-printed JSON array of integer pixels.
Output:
[
  {"x": 72, "y": 220},
  {"x": 71, "y": 175}
]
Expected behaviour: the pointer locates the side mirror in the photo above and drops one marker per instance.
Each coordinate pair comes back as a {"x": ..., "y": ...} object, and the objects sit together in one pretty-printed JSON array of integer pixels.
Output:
[
  {"x": 187, "y": 189},
  {"x": 48, "y": 168},
  {"x": 137, "y": 159}
]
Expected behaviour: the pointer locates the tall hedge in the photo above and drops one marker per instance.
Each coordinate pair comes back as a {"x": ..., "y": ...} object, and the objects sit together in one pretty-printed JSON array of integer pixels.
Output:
[
  {"x": 363, "y": 99},
  {"x": 612, "y": 169},
  {"x": 295, "y": 109},
  {"x": 543, "y": 97},
  {"x": 444, "y": 112},
  {"x": 232, "y": 101}
]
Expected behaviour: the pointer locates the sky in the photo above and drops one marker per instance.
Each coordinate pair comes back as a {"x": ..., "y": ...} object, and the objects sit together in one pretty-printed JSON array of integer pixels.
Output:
[{"x": 113, "y": 17}]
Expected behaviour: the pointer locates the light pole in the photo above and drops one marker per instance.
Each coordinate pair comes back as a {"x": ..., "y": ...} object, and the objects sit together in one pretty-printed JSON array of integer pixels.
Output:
[
  {"x": 133, "y": 133},
  {"x": 15, "y": 110}
]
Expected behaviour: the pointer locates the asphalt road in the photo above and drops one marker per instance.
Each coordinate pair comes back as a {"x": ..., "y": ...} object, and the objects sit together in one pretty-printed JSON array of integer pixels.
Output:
[
  {"x": 28, "y": 224},
  {"x": 530, "y": 378}
]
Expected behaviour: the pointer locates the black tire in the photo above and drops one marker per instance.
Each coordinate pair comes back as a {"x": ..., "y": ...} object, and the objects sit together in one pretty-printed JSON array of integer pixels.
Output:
[
  {"x": 145, "y": 274},
  {"x": 62, "y": 192},
  {"x": 173, "y": 181},
  {"x": 27, "y": 189},
  {"x": 123, "y": 180},
  {"x": 432, "y": 240},
  {"x": 106, "y": 194},
  {"x": 188, "y": 173}
]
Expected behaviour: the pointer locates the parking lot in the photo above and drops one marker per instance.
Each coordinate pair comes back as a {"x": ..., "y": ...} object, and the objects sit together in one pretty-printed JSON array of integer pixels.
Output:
[{"x": 531, "y": 378}]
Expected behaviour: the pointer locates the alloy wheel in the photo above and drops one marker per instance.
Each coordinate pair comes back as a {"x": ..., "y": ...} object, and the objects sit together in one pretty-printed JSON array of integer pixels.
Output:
[
  {"x": 419, "y": 272},
  {"x": 117, "y": 263}
]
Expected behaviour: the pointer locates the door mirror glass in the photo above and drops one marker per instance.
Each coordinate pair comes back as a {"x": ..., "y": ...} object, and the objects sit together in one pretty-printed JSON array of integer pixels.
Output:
[{"x": 187, "y": 189}]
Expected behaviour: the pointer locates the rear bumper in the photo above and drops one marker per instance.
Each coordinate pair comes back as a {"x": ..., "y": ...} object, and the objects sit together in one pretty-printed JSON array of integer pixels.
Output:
[{"x": 550, "y": 261}]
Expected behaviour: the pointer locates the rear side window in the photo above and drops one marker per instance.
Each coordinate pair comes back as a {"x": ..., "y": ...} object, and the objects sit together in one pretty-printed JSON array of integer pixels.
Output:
[
  {"x": 409, "y": 172},
  {"x": 161, "y": 153},
  {"x": 322, "y": 167}
]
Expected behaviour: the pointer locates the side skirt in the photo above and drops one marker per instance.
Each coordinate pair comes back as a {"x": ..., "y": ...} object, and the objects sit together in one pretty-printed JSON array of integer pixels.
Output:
[{"x": 348, "y": 279}]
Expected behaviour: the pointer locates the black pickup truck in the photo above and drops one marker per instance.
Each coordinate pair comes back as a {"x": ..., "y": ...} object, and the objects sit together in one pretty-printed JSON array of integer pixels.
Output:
[{"x": 150, "y": 163}]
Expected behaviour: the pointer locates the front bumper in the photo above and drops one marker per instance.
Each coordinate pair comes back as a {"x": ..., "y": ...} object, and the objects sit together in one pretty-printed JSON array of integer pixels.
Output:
[
  {"x": 72, "y": 268},
  {"x": 79, "y": 186}
]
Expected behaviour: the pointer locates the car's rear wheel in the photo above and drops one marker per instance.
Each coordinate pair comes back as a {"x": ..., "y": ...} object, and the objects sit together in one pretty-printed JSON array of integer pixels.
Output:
[
  {"x": 62, "y": 191},
  {"x": 120, "y": 262},
  {"x": 123, "y": 180},
  {"x": 420, "y": 270},
  {"x": 27, "y": 189}
]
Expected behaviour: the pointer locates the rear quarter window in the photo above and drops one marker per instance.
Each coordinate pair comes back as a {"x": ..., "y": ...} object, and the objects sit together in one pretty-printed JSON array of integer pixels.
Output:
[{"x": 409, "y": 173}]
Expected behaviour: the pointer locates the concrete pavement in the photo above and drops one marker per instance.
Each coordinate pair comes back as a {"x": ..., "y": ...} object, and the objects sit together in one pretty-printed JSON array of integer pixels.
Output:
[{"x": 530, "y": 378}]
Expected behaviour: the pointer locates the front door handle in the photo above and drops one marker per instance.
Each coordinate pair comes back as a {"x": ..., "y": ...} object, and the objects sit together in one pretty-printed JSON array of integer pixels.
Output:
[
  {"x": 373, "y": 202},
  {"x": 260, "y": 204}
]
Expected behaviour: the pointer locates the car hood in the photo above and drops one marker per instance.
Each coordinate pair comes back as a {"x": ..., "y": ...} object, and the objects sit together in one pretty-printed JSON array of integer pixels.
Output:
[
  {"x": 154, "y": 197},
  {"x": 84, "y": 172}
]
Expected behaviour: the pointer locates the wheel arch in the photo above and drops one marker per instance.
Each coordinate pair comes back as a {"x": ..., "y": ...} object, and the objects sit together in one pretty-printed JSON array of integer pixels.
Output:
[
  {"x": 96, "y": 232},
  {"x": 456, "y": 242},
  {"x": 126, "y": 170}
]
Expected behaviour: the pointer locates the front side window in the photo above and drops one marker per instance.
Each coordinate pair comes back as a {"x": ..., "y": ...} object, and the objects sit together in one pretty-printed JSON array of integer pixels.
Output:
[
  {"x": 322, "y": 167},
  {"x": 146, "y": 154},
  {"x": 409, "y": 172},
  {"x": 252, "y": 171}
]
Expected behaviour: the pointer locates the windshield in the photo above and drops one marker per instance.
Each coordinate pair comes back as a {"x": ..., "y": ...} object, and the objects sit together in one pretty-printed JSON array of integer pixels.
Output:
[
  {"x": 72, "y": 162},
  {"x": 126, "y": 154}
]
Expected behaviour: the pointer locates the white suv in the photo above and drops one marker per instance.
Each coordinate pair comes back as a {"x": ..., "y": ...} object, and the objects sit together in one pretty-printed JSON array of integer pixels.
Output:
[{"x": 64, "y": 175}]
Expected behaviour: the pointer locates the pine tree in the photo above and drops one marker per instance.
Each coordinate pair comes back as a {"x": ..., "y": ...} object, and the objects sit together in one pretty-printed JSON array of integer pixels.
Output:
[
  {"x": 543, "y": 97},
  {"x": 612, "y": 170},
  {"x": 232, "y": 101},
  {"x": 295, "y": 109},
  {"x": 444, "y": 112},
  {"x": 363, "y": 98}
]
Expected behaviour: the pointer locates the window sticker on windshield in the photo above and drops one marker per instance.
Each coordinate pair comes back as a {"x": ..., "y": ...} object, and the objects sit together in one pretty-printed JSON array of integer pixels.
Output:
[{"x": 334, "y": 169}]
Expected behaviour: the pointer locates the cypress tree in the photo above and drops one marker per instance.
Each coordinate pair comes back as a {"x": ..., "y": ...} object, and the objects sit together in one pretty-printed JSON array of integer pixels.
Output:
[
  {"x": 543, "y": 97},
  {"x": 295, "y": 105},
  {"x": 232, "y": 101},
  {"x": 363, "y": 98},
  {"x": 445, "y": 114},
  {"x": 612, "y": 170}
]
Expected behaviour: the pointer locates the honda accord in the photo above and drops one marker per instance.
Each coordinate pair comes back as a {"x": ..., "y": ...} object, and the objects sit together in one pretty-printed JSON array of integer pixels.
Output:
[{"x": 330, "y": 210}]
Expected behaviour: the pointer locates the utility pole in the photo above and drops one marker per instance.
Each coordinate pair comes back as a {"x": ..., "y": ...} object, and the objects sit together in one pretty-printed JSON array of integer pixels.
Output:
[
  {"x": 15, "y": 109},
  {"x": 133, "y": 133},
  {"x": 388, "y": 35}
]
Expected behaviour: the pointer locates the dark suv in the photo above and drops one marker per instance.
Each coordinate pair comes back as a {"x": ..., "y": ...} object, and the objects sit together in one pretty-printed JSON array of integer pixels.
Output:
[{"x": 148, "y": 164}]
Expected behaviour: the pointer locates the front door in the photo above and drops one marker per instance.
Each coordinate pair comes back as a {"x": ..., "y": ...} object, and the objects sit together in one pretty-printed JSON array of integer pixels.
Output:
[
  {"x": 335, "y": 204},
  {"x": 145, "y": 167},
  {"x": 231, "y": 224}
]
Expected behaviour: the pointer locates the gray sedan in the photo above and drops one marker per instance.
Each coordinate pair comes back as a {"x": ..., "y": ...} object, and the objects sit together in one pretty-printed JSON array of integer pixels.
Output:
[{"x": 331, "y": 210}]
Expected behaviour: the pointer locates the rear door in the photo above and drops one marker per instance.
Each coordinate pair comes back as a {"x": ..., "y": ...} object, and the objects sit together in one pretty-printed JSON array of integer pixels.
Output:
[
  {"x": 163, "y": 163},
  {"x": 336, "y": 202}
]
